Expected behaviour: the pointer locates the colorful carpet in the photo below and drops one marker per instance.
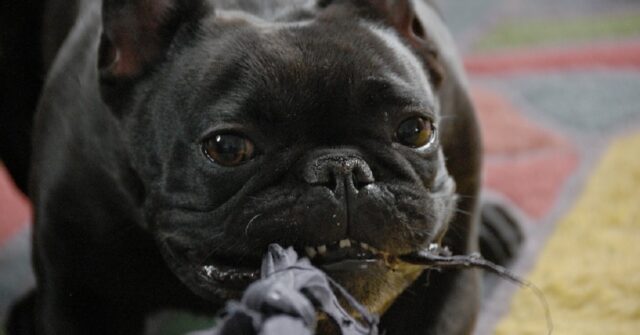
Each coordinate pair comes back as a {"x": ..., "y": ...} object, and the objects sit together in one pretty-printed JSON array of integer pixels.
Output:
[
  {"x": 557, "y": 87},
  {"x": 556, "y": 84},
  {"x": 588, "y": 269}
]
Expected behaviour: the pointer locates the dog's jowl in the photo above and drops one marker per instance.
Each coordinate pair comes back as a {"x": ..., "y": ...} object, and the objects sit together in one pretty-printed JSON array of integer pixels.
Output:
[{"x": 177, "y": 134}]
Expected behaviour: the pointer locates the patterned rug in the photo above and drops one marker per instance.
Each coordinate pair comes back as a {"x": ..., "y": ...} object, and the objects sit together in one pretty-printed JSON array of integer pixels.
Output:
[
  {"x": 556, "y": 84},
  {"x": 557, "y": 87}
]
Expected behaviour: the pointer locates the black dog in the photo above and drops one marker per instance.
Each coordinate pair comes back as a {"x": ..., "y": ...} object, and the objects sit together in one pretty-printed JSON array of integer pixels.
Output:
[{"x": 174, "y": 136}]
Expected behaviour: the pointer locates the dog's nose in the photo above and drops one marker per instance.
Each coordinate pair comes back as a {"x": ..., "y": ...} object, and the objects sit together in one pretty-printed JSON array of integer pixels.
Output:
[{"x": 337, "y": 171}]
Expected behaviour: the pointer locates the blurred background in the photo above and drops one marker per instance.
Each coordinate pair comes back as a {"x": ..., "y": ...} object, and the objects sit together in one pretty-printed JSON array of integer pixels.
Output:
[{"x": 557, "y": 87}]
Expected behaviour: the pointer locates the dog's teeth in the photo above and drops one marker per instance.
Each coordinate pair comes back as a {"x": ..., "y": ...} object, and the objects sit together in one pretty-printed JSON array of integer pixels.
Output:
[
  {"x": 368, "y": 247},
  {"x": 311, "y": 252},
  {"x": 322, "y": 249},
  {"x": 345, "y": 243}
]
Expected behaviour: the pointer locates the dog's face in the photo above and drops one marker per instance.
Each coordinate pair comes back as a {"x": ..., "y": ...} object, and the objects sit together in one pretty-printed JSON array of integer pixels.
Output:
[{"x": 319, "y": 134}]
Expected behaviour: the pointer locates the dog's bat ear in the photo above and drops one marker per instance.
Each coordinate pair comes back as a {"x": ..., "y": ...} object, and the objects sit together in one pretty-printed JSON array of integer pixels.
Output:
[
  {"x": 137, "y": 33},
  {"x": 136, "y": 36},
  {"x": 402, "y": 17}
]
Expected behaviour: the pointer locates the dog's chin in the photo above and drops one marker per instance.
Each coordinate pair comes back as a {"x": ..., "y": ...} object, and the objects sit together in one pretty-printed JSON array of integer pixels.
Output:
[
  {"x": 214, "y": 280},
  {"x": 375, "y": 284},
  {"x": 375, "y": 279}
]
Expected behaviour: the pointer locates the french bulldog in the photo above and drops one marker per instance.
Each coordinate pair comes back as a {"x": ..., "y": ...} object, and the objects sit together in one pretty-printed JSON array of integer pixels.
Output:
[{"x": 176, "y": 139}]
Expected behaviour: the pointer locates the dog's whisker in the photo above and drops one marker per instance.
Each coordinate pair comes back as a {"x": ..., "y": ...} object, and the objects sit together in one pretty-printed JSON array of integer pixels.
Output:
[
  {"x": 466, "y": 196},
  {"x": 458, "y": 210},
  {"x": 248, "y": 226}
]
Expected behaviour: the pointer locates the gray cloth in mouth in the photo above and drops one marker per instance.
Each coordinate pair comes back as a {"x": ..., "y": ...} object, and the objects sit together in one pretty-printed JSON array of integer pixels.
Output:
[{"x": 287, "y": 299}]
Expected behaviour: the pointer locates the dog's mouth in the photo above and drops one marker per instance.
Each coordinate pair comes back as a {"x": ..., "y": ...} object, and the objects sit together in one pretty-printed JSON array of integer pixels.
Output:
[
  {"x": 328, "y": 255},
  {"x": 347, "y": 260},
  {"x": 226, "y": 277},
  {"x": 343, "y": 255}
]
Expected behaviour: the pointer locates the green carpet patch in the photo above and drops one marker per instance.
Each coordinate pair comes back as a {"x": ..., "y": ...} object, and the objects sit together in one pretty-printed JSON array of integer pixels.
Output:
[
  {"x": 514, "y": 34},
  {"x": 178, "y": 323}
]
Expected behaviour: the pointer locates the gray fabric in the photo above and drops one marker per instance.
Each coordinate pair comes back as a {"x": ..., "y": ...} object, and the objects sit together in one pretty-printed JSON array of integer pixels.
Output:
[{"x": 286, "y": 300}]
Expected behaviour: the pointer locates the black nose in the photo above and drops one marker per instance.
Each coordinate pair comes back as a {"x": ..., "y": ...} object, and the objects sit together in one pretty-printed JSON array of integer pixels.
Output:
[{"x": 337, "y": 171}]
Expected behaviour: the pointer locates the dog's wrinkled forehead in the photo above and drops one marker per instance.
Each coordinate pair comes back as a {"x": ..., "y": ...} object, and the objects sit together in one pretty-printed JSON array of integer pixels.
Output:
[{"x": 284, "y": 70}]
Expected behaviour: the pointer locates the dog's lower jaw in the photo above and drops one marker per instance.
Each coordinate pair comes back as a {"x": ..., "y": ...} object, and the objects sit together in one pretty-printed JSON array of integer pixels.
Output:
[
  {"x": 376, "y": 285},
  {"x": 373, "y": 283}
]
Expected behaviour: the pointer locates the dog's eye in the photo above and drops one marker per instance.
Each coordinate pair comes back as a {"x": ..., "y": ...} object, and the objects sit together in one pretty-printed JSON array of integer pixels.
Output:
[
  {"x": 415, "y": 132},
  {"x": 228, "y": 149}
]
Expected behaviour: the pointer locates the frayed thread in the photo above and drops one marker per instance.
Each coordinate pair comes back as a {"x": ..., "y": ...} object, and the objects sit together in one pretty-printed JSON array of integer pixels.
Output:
[{"x": 440, "y": 258}]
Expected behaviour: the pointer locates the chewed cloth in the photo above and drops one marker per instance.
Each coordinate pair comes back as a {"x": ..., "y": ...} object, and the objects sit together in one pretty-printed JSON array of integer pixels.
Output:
[{"x": 287, "y": 299}]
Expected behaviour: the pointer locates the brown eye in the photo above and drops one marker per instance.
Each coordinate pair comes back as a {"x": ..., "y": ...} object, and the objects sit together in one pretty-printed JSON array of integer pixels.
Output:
[
  {"x": 415, "y": 132},
  {"x": 228, "y": 149}
]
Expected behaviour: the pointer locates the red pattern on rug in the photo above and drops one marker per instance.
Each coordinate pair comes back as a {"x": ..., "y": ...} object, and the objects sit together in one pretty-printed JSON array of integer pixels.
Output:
[
  {"x": 606, "y": 55},
  {"x": 532, "y": 166},
  {"x": 15, "y": 208}
]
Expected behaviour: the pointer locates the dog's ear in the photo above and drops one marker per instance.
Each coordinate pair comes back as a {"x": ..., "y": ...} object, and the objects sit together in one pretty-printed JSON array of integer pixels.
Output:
[
  {"x": 136, "y": 36},
  {"x": 136, "y": 33},
  {"x": 401, "y": 16}
]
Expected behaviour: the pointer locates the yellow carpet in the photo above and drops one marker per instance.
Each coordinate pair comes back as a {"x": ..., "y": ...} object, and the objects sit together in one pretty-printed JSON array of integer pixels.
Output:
[{"x": 590, "y": 268}]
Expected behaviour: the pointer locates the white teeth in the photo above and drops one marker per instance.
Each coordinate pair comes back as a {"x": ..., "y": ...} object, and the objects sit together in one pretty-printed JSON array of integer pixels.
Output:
[
  {"x": 368, "y": 247},
  {"x": 322, "y": 249},
  {"x": 311, "y": 251}
]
